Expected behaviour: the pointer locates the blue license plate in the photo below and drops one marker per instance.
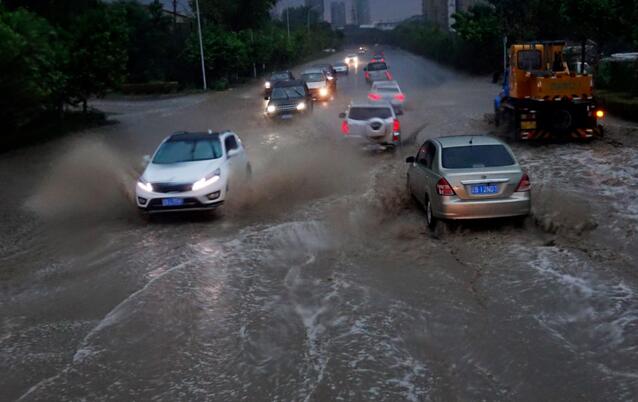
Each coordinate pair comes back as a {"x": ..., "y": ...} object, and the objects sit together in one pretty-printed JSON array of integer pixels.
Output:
[
  {"x": 286, "y": 116},
  {"x": 172, "y": 202},
  {"x": 482, "y": 189}
]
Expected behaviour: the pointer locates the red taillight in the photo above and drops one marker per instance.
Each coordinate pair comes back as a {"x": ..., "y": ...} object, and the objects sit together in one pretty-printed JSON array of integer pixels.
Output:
[
  {"x": 367, "y": 75},
  {"x": 444, "y": 188},
  {"x": 387, "y": 74},
  {"x": 396, "y": 126},
  {"x": 345, "y": 129},
  {"x": 374, "y": 97},
  {"x": 399, "y": 97},
  {"x": 524, "y": 184}
]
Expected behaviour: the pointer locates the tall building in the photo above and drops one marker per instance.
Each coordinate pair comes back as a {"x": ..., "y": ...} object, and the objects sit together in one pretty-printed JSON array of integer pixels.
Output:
[
  {"x": 363, "y": 12},
  {"x": 338, "y": 14},
  {"x": 440, "y": 12},
  {"x": 317, "y": 7}
]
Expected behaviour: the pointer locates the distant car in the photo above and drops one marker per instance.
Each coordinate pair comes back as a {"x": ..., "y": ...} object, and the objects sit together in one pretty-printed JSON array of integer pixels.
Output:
[
  {"x": 341, "y": 68},
  {"x": 377, "y": 58},
  {"x": 191, "y": 171},
  {"x": 330, "y": 73},
  {"x": 388, "y": 91},
  {"x": 377, "y": 71},
  {"x": 318, "y": 83},
  {"x": 289, "y": 98},
  {"x": 352, "y": 59},
  {"x": 329, "y": 50},
  {"x": 468, "y": 177},
  {"x": 372, "y": 126},
  {"x": 276, "y": 77}
]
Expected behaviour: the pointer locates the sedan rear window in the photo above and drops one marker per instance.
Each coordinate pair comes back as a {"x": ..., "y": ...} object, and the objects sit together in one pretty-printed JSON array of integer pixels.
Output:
[
  {"x": 367, "y": 113},
  {"x": 280, "y": 77},
  {"x": 313, "y": 77},
  {"x": 478, "y": 156},
  {"x": 377, "y": 67}
]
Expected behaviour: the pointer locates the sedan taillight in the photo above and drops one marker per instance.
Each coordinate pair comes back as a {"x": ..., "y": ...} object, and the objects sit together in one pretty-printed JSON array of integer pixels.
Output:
[
  {"x": 399, "y": 97},
  {"x": 524, "y": 185},
  {"x": 374, "y": 97},
  {"x": 444, "y": 188}
]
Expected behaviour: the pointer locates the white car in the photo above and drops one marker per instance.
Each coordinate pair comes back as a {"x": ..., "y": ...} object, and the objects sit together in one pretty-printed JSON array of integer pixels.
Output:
[
  {"x": 191, "y": 171},
  {"x": 372, "y": 126},
  {"x": 388, "y": 92}
]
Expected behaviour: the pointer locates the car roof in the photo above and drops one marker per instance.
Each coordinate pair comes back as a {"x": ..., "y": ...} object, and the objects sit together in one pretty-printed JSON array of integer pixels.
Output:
[
  {"x": 313, "y": 71},
  {"x": 188, "y": 136},
  {"x": 370, "y": 105},
  {"x": 290, "y": 83},
  {"x": 464, "y": 140},
  {"x": 280, "y": 72},
  {"x": 390, "y": 84}
]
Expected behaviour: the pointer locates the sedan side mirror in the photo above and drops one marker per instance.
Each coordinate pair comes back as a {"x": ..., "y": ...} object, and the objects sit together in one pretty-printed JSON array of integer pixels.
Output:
[
  {"x": 365, "y": 68},
  {"x": 410, "y": 159},
  {"x": 266, "y": 97},
  {"x": 342, "y": 115}
]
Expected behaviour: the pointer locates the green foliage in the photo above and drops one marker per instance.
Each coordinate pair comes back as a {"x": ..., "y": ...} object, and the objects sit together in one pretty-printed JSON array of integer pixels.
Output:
[
  {"x": 236, "y": 15},
  {"x": 31, "y": 67},
  {"x": 97, "y": 49}
]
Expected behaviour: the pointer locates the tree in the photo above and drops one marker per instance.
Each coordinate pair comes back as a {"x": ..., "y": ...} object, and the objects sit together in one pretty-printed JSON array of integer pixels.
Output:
[
  {"x": 97, "y": 48},
  {"x": 225, "y": 53},
  {"x": 31, "y": 67},
  {"x": 237, "y": 15}
]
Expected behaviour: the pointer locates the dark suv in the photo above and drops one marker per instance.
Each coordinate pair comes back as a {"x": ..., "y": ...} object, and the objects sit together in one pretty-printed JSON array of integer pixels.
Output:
[
  {"x": 275, "y": 77},
  {"x": 289, "y": 98}
]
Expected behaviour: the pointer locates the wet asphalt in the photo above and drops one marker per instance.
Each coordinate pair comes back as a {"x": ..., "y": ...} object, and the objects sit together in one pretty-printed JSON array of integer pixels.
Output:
[{"x": 319, "y": 281}]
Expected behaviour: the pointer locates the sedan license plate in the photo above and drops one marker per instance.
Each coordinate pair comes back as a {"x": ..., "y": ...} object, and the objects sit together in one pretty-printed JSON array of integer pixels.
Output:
[
  {"x": 172, "y": 202},
  {"x": 286, "y": 116},
  {"x": 482, "y": 189}
]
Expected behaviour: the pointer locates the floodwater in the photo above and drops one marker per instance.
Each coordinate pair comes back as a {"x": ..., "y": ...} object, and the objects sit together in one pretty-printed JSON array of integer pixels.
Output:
[{"x": 318, "y": 281}]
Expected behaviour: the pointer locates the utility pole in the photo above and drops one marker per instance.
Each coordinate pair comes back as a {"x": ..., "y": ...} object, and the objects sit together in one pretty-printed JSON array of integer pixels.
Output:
[
  {"x": 174, "y": 15},
  {"x": 288, "y": 21},
  {"x": 201, "y": 44}
]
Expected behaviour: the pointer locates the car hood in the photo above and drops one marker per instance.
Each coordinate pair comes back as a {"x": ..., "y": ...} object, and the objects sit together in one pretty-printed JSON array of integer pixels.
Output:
[
  {"x": 289, "y": 101},
  {"x": 183, "y": 172}
]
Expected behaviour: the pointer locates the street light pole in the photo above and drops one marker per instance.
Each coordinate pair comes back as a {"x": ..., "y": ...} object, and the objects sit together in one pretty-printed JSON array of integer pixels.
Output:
[
  {"x": 288, "y": 21},
  {"x": 201, "y": 44}
]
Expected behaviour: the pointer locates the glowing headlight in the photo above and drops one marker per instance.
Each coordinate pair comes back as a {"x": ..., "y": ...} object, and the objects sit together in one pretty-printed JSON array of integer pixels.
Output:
[
  {"x": 323, "y": 92},
  {"x": 271, "y": 109},
  {"x": 145, "y": 186},
  {"x": 330, "y": 78},
  {"x": 347, "y": 60},
  {"x": 267, "y": 84},
  {"x": 301, "y": 106},
  {"x": 207, "y": 181}
]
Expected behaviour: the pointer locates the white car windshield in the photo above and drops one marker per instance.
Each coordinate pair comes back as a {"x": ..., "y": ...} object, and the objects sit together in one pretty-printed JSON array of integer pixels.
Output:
[{"x": 188, "y": 151}]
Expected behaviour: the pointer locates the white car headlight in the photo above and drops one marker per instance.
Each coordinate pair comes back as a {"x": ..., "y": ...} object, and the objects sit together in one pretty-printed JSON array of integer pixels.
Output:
[
  {"x": 301, "y": 106},
  {"x": 267, "y": 84},
  {"x": 271, "y": 109},
  {"x": 141, "y": 183},
  {"x": 323, "y": 92},
  {"x": 207, "y": 181}
]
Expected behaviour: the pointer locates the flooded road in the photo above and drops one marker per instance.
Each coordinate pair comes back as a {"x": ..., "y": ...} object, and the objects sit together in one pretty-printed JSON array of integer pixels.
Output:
[{"x": 320, "y": 281}]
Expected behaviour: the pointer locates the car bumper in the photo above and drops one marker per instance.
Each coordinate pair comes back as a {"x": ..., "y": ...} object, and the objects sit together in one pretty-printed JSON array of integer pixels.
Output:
[
  {"x": 372, "y": 142},
  {"x": 519, "y": 204},
  {"x": 210, "y": 197}
]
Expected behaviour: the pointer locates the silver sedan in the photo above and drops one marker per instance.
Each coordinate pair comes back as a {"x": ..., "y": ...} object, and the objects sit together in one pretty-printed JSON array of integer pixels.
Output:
[{"x": 468, "y": 177}]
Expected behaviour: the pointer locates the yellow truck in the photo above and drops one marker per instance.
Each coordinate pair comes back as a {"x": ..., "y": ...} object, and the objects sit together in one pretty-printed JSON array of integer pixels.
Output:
[{"x": 542, "y": 99}]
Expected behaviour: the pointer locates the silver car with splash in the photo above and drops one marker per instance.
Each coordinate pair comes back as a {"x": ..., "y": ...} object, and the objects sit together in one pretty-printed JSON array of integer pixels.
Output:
[{"x": 468, "y": 177}]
